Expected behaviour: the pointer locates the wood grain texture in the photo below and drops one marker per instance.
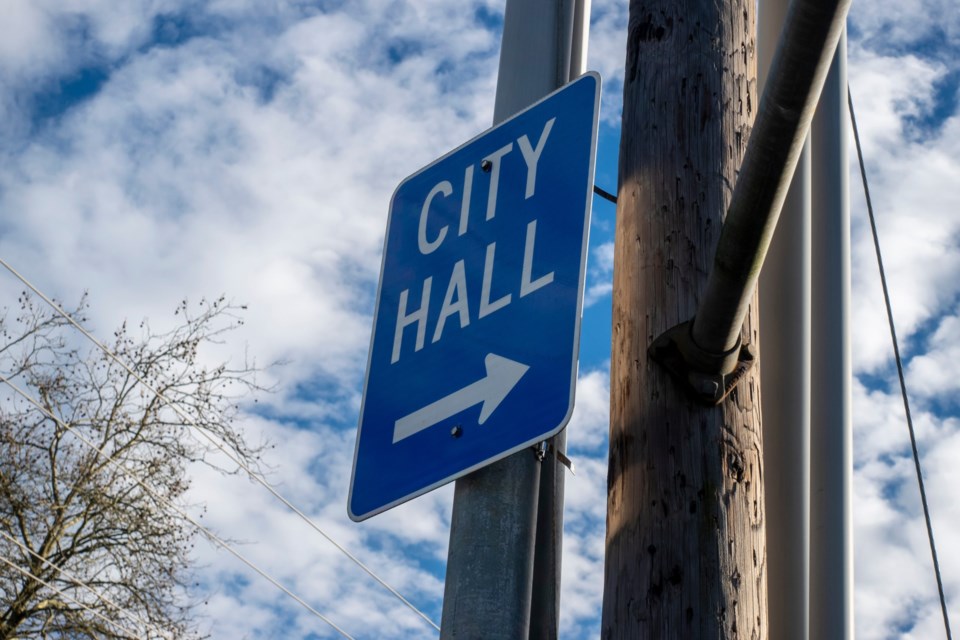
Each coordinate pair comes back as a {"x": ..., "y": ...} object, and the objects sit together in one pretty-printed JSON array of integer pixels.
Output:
[{"x": 686, "y": 546}]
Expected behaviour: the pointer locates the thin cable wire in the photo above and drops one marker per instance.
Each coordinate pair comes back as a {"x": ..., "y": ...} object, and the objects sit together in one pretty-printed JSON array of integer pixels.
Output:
[
  {"x": 207, "y": 532},
  {"x": 606, "y": 195},
  {"x": 896, "y": 353},
  {"x": 235, "y": 459},
  {"x": 129, "y": 615},
  {"x": 27, "y": 574}
]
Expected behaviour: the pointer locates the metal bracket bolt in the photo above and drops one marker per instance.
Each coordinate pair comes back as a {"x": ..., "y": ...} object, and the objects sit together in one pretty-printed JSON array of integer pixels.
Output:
[
  {"x": 708, "y": 377},
  {"x": 541, "y": 449}
]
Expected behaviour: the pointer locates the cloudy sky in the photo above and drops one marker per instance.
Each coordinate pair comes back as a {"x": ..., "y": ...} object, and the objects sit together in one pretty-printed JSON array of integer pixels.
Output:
[{"x": 152, "y": 150}]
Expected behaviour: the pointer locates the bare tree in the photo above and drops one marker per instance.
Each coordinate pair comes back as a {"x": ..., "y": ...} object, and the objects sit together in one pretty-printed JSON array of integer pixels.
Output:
[{"x": 85, "y": 550}]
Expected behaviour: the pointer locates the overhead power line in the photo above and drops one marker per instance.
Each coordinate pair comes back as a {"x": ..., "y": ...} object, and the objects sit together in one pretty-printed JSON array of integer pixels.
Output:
[
  {"x": 235, "y": 459},
  {"x": 896, "y": 354},
  {"x": 170, "y": 505},
  {"x": 112, "y": 623},
  {"x": 129, "y": 615}
]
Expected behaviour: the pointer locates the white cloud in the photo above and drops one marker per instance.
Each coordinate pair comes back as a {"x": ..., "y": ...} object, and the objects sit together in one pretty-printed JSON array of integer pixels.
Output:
[
  {"x": 590, "y": 422},
  {"x": 917, "y": 216},
  {"x": 910, "y": 170},
  {"x": 599, "y": 274},
  {"x": 937, "y": 372},
  {"x": 889, "y": 534},
  {"x": 585, "y": 508},
  {"x": 185, "y": 175},
  {"x": 314, "y": 473},
  {"x": 607, "y": 53},
  {"x": 177, "y": 172},
  {"x": 254, "y": 154},
  {"x": 24, "y": 26},
  {"x": 896, "y": 25}
]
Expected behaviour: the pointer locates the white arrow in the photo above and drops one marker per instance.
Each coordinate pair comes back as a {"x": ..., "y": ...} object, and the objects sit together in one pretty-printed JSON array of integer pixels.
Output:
[{"x": 502, "y": 376}]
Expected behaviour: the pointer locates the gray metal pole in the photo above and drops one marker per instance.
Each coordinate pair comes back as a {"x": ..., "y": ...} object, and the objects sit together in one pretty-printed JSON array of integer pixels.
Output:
[
  {"x": 545, "y": 596},
  {"x": 545, "y": 599},
  {"x": 579, "y": 43},
  {"x": 494, "y": 523},
  {"x": 831, "y": 451},
  {"x": 785, "y": 380}
]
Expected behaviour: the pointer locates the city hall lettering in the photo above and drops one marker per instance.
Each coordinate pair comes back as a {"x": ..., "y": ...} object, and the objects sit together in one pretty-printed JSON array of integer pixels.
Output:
[{"x": 421, "y": 311}]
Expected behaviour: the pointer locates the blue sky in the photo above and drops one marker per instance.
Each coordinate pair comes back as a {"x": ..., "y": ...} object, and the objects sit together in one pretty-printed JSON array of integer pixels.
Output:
[{"x": 156, "y": 149}]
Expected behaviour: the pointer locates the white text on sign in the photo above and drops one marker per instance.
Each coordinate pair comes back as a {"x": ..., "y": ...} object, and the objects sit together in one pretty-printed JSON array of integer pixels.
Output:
[{"x": 455, "y": 301}]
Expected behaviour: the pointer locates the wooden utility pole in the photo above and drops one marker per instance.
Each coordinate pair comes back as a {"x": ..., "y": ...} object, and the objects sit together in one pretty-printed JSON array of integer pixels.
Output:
[
  {"x": 686, "y": 551},
  {"x": 686, "y": 548}
]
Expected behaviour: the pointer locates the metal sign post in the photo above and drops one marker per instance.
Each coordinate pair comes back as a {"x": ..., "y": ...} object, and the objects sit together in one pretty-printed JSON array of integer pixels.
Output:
[{"x": 495, "y": 520}]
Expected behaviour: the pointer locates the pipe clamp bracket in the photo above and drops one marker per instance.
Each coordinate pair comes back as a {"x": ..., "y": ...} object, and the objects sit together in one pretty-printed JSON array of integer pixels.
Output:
[{"x": 707, "y": 377}]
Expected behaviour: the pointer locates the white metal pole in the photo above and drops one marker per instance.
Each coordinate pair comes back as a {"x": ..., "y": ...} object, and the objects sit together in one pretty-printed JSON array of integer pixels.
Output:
[
  {"x": 831, "y": 440},
  {"x": 785, "y": 379},
  {"x": 493, "y": 527},
  {"x": 581, "y": 38}
]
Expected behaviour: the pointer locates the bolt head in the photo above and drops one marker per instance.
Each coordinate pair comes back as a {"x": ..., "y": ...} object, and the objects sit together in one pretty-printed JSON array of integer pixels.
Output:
[{"x": 705, "y": 385}]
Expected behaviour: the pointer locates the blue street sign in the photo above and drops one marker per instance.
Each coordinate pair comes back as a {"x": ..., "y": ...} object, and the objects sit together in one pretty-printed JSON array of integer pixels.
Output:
[{"x": 477, "y": 325}]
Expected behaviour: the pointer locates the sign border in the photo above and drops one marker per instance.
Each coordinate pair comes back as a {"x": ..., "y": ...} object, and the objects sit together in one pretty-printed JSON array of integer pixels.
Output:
[{"x": 576, "y": 337}]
